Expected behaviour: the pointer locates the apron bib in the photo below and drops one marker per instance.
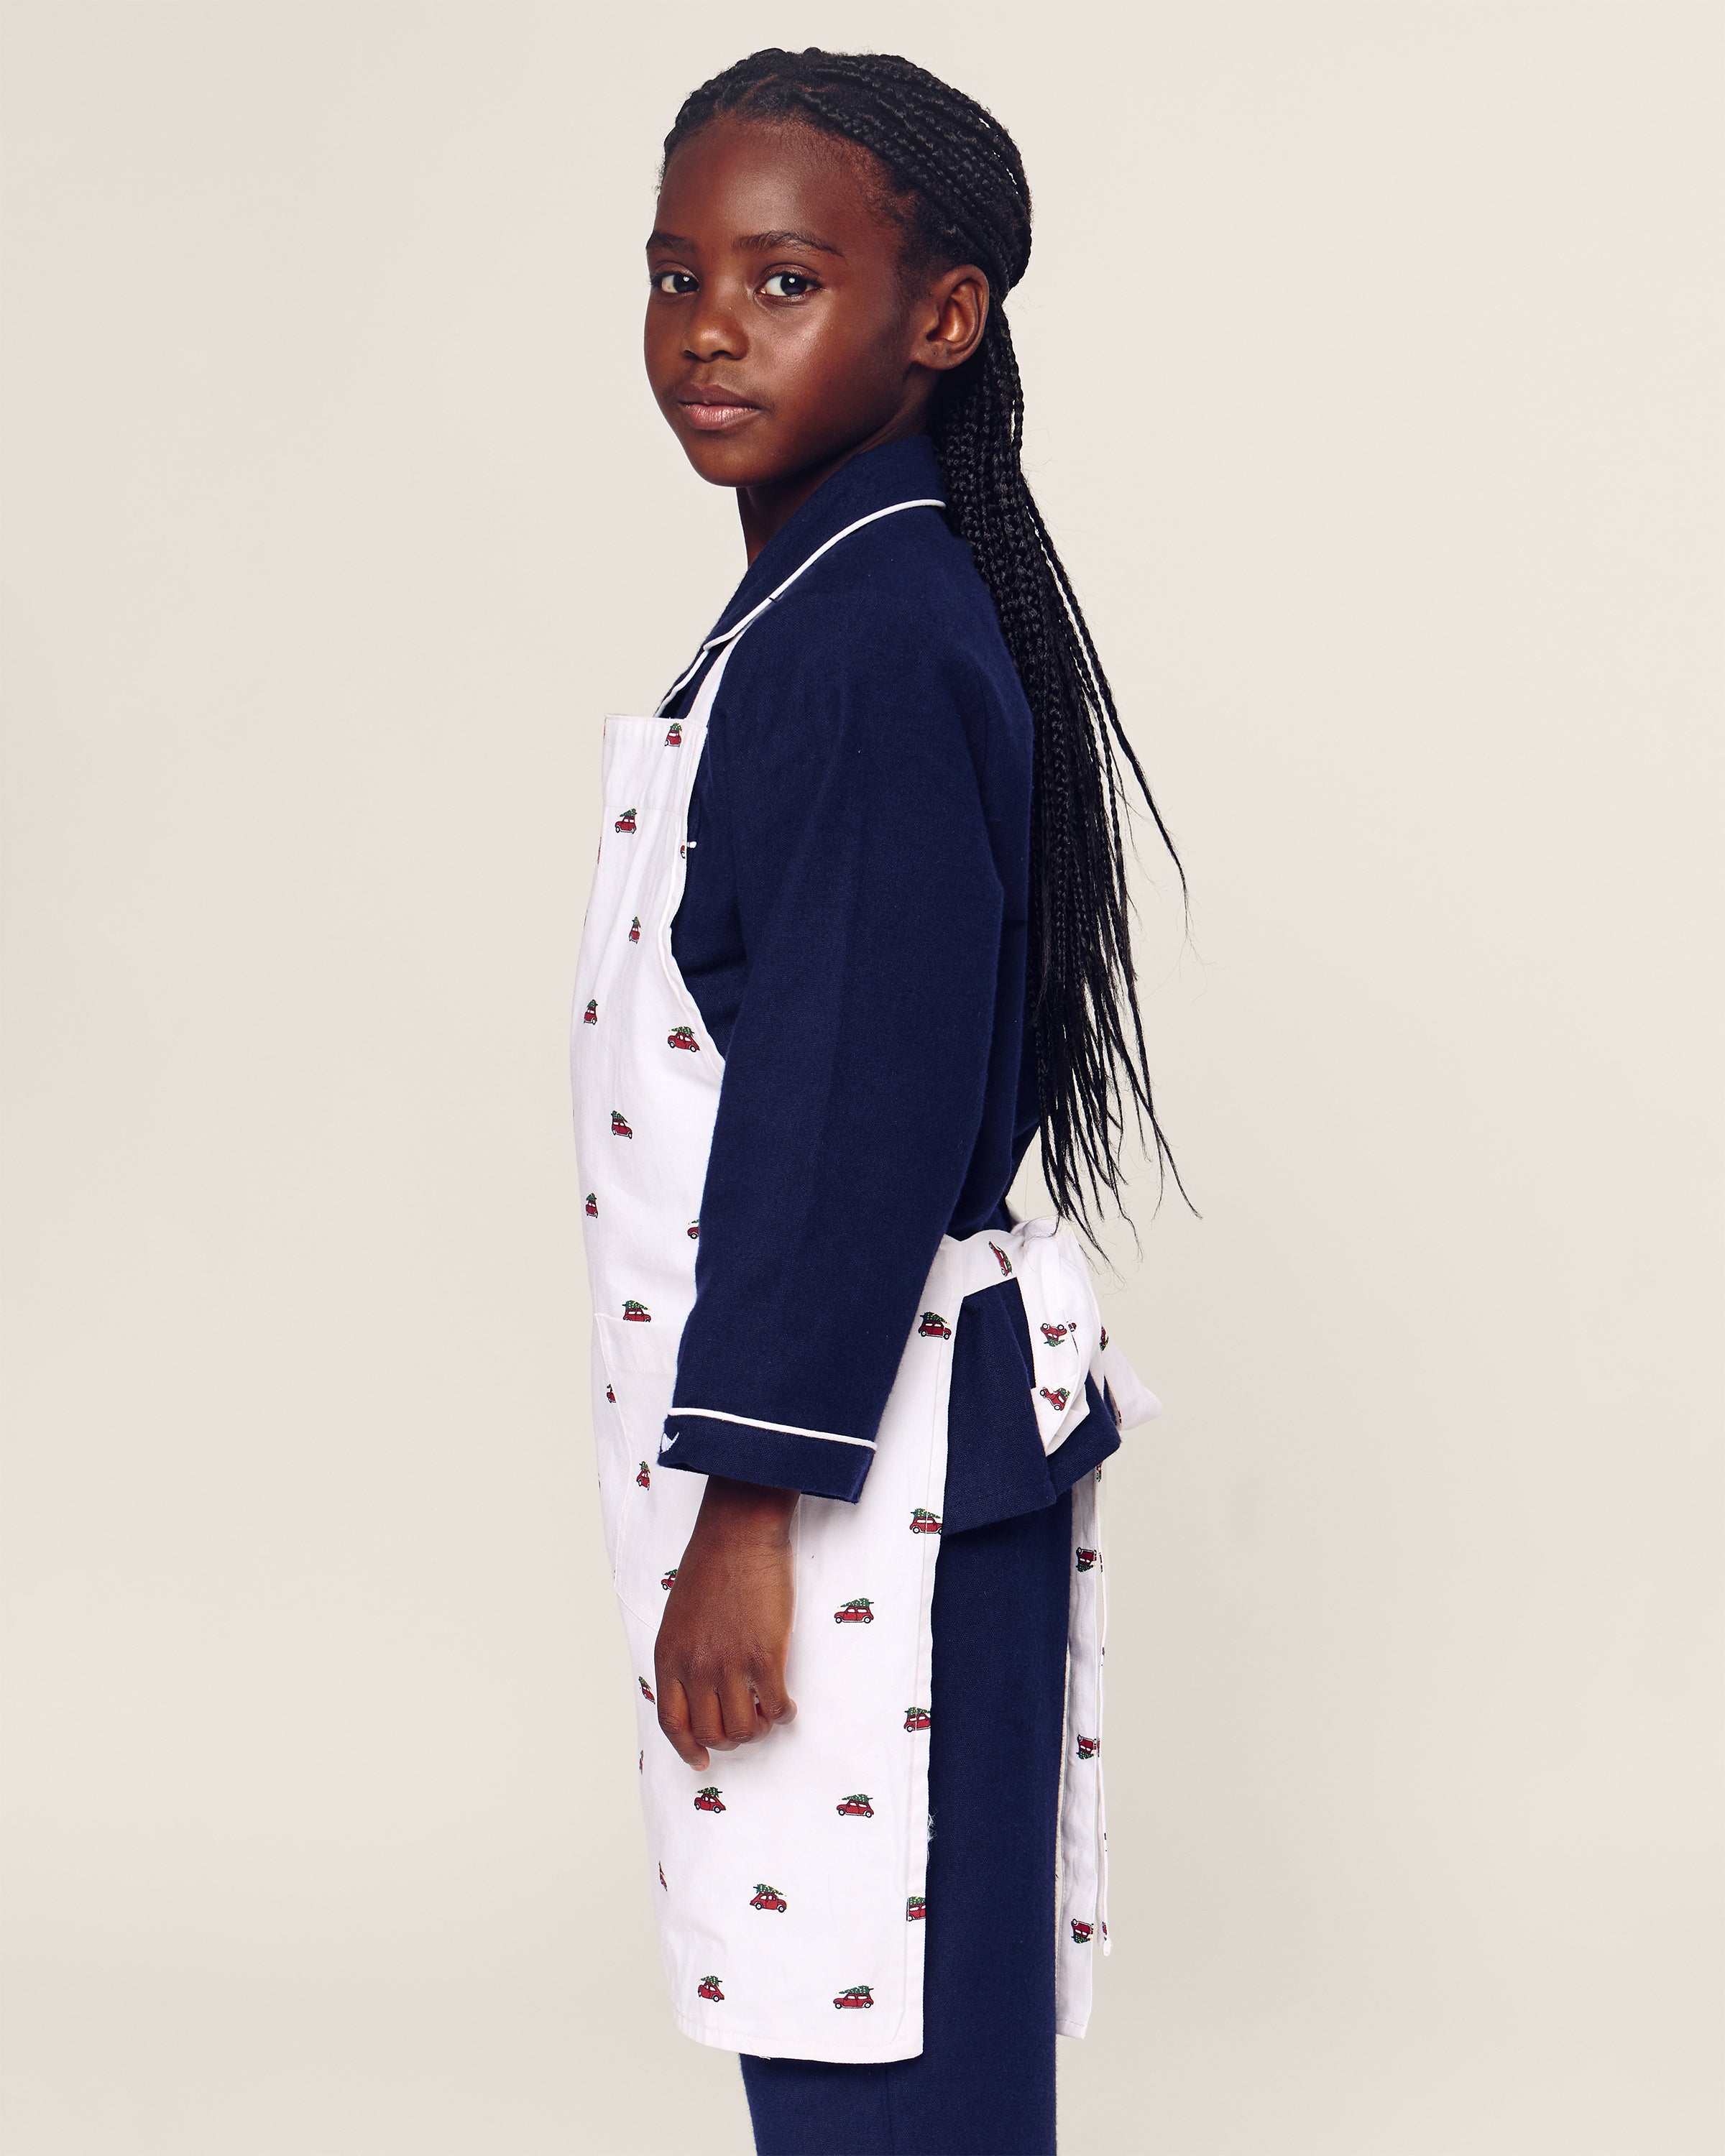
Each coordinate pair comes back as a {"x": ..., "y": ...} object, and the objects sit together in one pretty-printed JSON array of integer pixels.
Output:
[{"x": 788, "y": 1878}]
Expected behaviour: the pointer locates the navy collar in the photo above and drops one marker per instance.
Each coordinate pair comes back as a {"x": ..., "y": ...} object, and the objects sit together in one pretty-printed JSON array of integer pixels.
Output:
[{"x": 896, "y": 471}]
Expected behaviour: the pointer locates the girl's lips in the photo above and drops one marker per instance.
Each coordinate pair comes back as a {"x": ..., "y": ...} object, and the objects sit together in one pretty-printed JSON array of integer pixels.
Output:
[{"x": 713, "y": 418}]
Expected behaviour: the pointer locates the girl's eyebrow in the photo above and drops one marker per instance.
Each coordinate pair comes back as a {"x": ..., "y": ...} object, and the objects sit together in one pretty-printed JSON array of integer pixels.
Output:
[
  {"x": 757, "y": 241},
  {"x": 752, "y": 242}
]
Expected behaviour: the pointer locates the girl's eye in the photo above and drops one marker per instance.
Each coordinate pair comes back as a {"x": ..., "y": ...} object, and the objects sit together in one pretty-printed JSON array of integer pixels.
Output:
[
  {"x": 792, "y": 286},
  {"x": 678, "y": 283}
]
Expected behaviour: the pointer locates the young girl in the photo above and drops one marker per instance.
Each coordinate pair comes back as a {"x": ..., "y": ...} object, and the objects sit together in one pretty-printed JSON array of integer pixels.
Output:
[{"x": 857, "y": 934}]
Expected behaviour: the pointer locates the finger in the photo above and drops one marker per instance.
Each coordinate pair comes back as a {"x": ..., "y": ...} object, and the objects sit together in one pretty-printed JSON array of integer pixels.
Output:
[
  {"x": 706, "y": 1719},
  {"x": 773, "y": 1702},
  {"x": 736, "y": 1702},
  {"x": 674, "y": 1720}
]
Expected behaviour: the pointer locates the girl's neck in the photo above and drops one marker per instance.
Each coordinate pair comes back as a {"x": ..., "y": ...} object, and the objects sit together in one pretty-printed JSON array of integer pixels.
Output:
[{"x": 766, "y": 509}]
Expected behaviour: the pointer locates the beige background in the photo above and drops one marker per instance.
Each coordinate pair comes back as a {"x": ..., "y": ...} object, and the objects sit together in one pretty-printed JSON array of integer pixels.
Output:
[{"x": 1369, "y": 351}]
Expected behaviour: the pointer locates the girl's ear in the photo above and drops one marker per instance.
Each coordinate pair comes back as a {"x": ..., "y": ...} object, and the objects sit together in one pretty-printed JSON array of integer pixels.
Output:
[{"x": 958, "y": 315}]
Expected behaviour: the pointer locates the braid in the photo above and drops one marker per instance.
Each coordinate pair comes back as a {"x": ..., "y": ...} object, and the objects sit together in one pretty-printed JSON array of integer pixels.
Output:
[{"x": 958, "y": 187}]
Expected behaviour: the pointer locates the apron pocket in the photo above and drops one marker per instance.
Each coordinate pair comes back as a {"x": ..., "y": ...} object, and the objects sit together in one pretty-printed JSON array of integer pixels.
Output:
[{"x": 655, "y": 1506}]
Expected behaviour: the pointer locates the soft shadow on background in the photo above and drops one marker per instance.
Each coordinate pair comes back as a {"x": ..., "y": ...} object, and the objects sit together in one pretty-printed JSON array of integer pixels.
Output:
[{"x": 1369, "y": 352}]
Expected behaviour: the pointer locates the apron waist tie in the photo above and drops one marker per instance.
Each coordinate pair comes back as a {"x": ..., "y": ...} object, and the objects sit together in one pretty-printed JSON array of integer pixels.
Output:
[{"x": 1069, "y": 1342}]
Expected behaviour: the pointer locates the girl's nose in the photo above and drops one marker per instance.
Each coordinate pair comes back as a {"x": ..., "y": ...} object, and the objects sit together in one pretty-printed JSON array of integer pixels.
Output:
[{"x": 714, "y": 332}]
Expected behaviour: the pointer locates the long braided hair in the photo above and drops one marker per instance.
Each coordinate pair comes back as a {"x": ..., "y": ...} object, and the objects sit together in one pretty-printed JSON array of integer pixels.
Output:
[{"x": 956, "y": 184}]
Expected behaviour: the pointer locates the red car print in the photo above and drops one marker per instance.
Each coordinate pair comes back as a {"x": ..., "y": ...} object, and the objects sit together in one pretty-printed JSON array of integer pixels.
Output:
[
  {"x": 1057, "y": 1336},
  {"x": 917, "y": 1718},
  {"x": 626, "y": 822},
  {"x": 859, "y": 1612},
  {"x": 646, "y": 1690},
  {"x": 619, "y": 1125},
  {"x": 668, "y": 1580},
  {"x": 707, "y": 1799},
  {"x": 634, "y": 930},
  {"x": 708, "y": 1987},
  {"x": 693, "y": 1231},
  {"x": 857, "y": 1806},
  {"x": 1103, "y": 1342},
  {"x": 1005, "y": 1261},
  {"x": 915, "y": 1908},
  {"x": 644, "y": 1475},
  {"x": 768, "y": 1898},
  {"x": 1080, "y": 1932},
  {"x": 591, "y": 1205},
  {"x": 1088, "y": 1747},
  {"x": 933, "y": 1327},
  {"x": 610, "y": 1396},
  {"x": 1086, "y": 1559},
  {"x": 859, "y": 1995},
  {"x": 1105, "y": 1927},
  {"x": 590, "y": 1016},
  {"x": 683, "y": 1036},
  {"x": 673, "y": 738},
  {"x": 925, "y": 1522},
  {"x": 636, "y": 1313},
  {"x": 1059, "y": 1398},
  {"x": 663, "y": 1880}
]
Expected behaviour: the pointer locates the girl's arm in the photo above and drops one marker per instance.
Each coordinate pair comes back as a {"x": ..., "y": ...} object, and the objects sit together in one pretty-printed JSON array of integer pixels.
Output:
[{"x": 853, "y": 1094}]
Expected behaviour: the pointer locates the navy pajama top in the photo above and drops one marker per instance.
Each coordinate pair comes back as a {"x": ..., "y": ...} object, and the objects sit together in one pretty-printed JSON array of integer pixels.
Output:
[{"x": 853, "y": 930}]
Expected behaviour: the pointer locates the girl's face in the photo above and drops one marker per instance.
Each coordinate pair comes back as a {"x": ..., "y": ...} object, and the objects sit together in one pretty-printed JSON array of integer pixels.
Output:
[{"x": 783, "y": 334}]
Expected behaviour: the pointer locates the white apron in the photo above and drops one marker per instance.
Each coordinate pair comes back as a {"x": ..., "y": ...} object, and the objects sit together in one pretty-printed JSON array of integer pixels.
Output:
[{"x": 789, "y": 1877}]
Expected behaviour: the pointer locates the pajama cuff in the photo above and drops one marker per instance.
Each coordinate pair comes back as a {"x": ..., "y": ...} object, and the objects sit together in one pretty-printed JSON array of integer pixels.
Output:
[{"x": 708, "y": 1442}]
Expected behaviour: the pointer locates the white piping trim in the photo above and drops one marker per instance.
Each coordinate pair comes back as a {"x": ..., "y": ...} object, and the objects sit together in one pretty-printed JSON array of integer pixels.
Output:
[
  {"x": 712, "y": 643},
  {"x": 784, "y": 1429}
]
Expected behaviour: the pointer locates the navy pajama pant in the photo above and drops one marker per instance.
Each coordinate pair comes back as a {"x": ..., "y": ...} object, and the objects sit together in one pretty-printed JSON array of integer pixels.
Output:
[{"x": 984, "y": 2082}]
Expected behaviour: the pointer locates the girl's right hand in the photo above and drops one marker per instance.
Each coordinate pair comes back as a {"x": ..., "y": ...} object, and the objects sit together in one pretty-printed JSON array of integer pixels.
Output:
[{"x": 719, "y": 1658}]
